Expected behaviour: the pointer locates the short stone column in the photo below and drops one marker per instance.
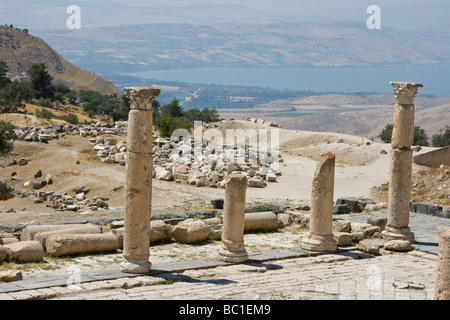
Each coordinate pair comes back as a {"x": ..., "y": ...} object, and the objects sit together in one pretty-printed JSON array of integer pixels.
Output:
[
  {"x": 320, "y": 237},
  {"x": 401, "y": 163},
  {"x": 233, "y": 248},
  {"x": 442, "y": 286},
  {"x": 138, "y": 196}
]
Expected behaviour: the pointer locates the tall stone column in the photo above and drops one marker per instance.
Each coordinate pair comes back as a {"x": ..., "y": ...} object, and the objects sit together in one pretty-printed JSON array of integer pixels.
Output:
[
  {"x": 320, "y": 237},
  {"x": 233, "y": 248},
  {"x": 138, "y": 201},
  {"x": 401, "y": 163},
  {"x": 442, "y": 286}
]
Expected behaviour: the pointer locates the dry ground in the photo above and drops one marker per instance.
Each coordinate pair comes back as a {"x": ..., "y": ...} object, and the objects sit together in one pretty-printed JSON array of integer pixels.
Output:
[{"x": 359, "y": 167}]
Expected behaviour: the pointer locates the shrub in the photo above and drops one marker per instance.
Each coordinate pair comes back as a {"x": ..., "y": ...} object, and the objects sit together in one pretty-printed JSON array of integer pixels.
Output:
[
  {"x": 5, "y": 191},
  {"x": 6, "y": 135},
  {"x": 420, "y": 135},
  {"x": 44, "y": 114},
  {"x": 442, "y": 138},
  {"x": 46, "y": 103},
  {"x": 70, "y": 118},
  {"x": 167, "y": 125},
  {"x": 386, "y": 133}
]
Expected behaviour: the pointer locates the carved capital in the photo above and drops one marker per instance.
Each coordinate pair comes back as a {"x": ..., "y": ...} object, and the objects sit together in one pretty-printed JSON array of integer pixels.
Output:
[
  {"x": 405, "y": 91},
  {"x": 141, "y": 98}
]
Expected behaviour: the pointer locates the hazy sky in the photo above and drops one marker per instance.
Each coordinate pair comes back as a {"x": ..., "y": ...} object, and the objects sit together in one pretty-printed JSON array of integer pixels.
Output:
[{"x": 404, "y": 14}]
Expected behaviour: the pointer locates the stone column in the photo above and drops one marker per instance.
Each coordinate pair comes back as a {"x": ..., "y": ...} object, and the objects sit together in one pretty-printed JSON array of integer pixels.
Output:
[
  {"x": 138, "y": 197},
  {"x": 401, "y": 163},
  {"x": 320, "y": 237},
  {"x": 442, "y": 286},
  {"x": 233, "y": 248}
]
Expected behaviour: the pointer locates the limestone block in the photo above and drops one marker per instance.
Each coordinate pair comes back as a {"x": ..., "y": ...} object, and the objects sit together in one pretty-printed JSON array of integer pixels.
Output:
[
  {"x": 343, "y": 238},
  {"x": 213, "y": 221},
  {"x": 215, "y": 231},
  {"x": 397, "y": 245},
  {"x": 359, "y": 227},
  {"x": 3, "y": 253},
  {"x": 342, "y": 226},
  {"x": 378, "y": 222},
  {"x": 370, "y": 231},
  {"x": 69, "y": 244},
  {"x": 29, "y": 232},
  {"x": 42, "y": 237},
  {"x": 163, "y": 174},
  {"x": 191, "y": 231},
  {"x": 357, "y": 236},
  {"x": 371, "y": 246},
  {"x": 159, "y": 231},
  {"x": 25, "y": 251},
  {"x": 8, "y": 240},
  {"x": 256, "y": 182},
  {"x": 284, "y": 220},
  {"x": 264, "y": 221}
]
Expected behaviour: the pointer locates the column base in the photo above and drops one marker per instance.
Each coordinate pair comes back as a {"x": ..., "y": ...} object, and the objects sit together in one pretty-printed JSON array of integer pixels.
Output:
[
  {"x": 391, "y": 233},
  {"x": 133, "y": 266},
  {"x": 319, "y": 243},
  {"x": 237, "y": 255}
]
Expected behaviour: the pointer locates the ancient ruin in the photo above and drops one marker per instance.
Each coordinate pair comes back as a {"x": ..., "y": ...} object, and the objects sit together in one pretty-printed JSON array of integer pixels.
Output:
[
  {"x": 230, "y": 221},
  {"x": 233, "y": 249},
  {"x": 320, "y": 237},
  {"x": 401, "y": 162},
  {"x": 138, "y": 199}
]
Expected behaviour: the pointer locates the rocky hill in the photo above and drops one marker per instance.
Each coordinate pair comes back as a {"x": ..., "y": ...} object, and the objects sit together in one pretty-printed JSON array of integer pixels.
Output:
[{"x": 20, "y": 50}]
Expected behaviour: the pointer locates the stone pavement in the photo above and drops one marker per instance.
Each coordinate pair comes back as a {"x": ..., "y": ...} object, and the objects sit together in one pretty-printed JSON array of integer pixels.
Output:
[{"x": 286, "y": 274}]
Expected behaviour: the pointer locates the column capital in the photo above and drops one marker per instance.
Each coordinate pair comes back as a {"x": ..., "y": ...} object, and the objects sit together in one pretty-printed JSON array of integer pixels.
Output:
[
  {"x": 141, "y": 98},
  {"x": 405, "y": 91}
]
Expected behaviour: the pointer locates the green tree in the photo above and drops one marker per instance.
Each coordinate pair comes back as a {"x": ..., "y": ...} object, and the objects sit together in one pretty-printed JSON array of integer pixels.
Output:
[
  {"x": 210, "y": 115},
  {"x": 386, "y": 133},
  {"x": 194, "y": 115},
  {"x": 4, "y": 80},
  {"x": 6, "y": 135},
  {"x": 441, "y": 138},
  {"x": 72, "y": 97},
  {"x": 156, "y": 106},
  {"x": 420, "y": 135},
  {"x": 13, "y": 95},
  {"x": 173, "y": 109},
  {"x": 41, "y": 81},
  {"x": 167, "y": 125}
]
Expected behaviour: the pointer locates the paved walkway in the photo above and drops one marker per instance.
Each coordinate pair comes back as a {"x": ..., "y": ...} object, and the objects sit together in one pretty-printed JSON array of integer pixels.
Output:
[{"x": 287, "y": 274}]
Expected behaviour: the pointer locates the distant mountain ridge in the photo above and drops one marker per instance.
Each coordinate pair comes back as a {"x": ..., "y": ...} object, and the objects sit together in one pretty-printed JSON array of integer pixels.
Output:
[
  {"x": 164, "y": 46},
  {"x": 21, "y": 50}
]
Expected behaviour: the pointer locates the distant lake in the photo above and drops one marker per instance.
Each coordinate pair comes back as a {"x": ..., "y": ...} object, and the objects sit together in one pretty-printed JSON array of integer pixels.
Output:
[{"x": 435, "y": 78}]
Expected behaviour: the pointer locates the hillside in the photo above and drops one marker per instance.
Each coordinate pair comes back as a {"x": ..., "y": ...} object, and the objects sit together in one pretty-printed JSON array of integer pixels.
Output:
[
  {"x": 20, "y": 50},
  {"x": 354, "y": 114},
  {"x": 367, "y": 122}
]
